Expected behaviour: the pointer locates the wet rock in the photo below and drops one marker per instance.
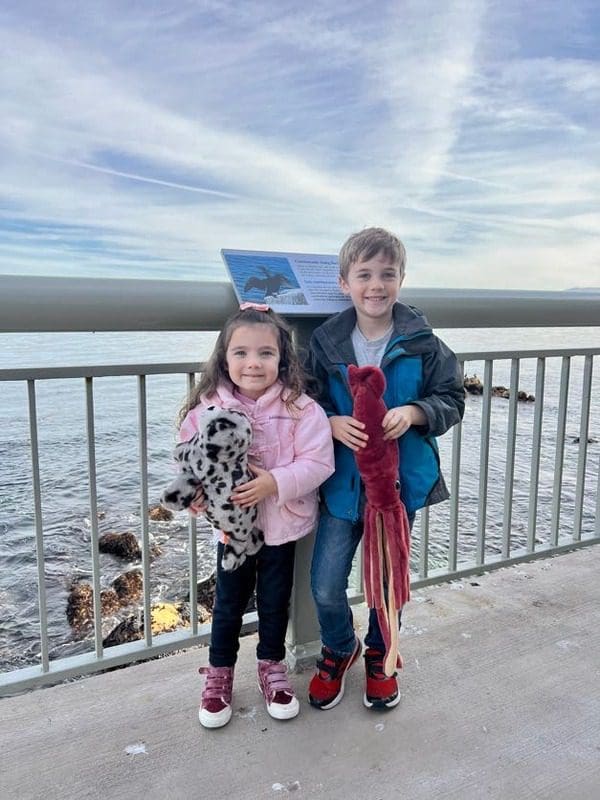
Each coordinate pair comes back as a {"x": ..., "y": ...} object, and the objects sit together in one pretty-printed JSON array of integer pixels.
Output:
[
  {"x": 155, "y": 550},
  {"x": 129, "y": 586},
  {"x": 80, "y": 604},
  {"x": 160, "y": 514},
  {"x": 123, "y": 545},
  {"x": 206, "y": 595},
  {"x": 165, "y": 617},
  {"x": 473, "y": 385},
  {"x": 109, "y": 601},
  {"x": 204, "y": 615},
  {"x": 129, "y": 630},
  {"x": 502, "y": 391},
  {"x": 206, "y": 592}
]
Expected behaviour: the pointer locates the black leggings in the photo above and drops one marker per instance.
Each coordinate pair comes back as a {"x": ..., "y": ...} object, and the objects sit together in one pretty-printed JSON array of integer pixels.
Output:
[{"x": 271, "y": 570}]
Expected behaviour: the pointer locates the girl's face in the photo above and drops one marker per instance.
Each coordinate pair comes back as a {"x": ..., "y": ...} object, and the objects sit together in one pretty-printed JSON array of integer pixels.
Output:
[{"x": 253, "y": 359}]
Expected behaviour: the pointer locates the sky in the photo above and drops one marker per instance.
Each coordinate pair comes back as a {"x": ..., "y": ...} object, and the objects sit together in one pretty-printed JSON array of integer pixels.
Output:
[{"x": 140, "y": 138}]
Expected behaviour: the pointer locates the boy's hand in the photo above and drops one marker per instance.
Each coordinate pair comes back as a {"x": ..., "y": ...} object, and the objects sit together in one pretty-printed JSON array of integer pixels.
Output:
[
  {"x": 349, "y": 431},
  {"x": 250, "y": 493},
  {"x": 198, "y": 504},
  {"x": 399, "y": 419}
]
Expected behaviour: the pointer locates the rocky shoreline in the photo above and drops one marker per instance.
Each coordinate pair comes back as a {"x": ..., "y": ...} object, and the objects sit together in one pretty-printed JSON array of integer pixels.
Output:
[
  {"x": 122, "y": 599},
  {"x": 474, "y": 385}
]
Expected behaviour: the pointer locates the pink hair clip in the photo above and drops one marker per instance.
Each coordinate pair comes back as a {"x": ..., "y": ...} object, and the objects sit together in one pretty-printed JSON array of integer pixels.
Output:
[{"x": 254, "y": 306}]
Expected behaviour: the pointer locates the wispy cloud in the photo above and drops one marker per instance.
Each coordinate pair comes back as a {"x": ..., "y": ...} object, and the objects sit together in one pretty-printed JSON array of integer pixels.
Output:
[
  {"x": 140, "y": 139},
  {"x": 134, "y": 177}
]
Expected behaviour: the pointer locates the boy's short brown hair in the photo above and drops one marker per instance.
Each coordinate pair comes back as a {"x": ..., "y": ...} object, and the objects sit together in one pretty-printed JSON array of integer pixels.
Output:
[{"x": 367, "y": 244}]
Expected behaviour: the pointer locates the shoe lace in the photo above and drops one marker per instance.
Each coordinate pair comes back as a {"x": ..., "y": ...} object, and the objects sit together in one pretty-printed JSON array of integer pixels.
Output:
[
  {"x": 219, "y": 682},
  {"x": 275, "y": 678}
]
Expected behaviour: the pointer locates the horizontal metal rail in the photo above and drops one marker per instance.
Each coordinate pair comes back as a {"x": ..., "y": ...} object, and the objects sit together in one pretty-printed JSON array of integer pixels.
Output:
[
  {"x": 38, "y": 303},
  {"x": 190, "y": 367},
  {"x": 494, "y": 562},
  {"x": 98, "y": 371}
]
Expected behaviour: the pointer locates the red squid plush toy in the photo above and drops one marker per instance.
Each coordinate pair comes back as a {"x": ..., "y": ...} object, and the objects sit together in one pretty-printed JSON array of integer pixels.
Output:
[{"x": 386, "y": 537}]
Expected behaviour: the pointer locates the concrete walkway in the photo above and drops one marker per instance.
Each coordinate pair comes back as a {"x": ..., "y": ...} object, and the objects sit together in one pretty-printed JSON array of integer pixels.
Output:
[{"x": 501, "y": 699}]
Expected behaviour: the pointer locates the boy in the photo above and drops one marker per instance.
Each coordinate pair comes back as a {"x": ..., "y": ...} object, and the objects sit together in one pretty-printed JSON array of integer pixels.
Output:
[{"x": 424, "y": 397}]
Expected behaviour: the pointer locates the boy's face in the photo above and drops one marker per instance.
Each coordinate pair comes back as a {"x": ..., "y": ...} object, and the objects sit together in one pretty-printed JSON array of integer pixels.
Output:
[{"x": 373, "y": 287}]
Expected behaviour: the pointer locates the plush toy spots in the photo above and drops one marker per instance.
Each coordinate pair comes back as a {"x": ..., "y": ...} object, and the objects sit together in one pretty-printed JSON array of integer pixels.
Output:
[{"x": 216, "y": 460}]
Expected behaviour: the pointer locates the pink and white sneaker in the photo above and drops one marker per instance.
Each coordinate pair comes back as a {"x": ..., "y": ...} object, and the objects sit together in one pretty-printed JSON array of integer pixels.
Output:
[
  {"x": 279, "y": 696},
  {"x": 215, "y": 706}
]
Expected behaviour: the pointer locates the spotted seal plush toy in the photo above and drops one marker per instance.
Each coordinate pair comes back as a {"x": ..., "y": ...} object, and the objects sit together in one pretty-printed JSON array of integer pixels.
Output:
[{"x": 216, "y": 459}]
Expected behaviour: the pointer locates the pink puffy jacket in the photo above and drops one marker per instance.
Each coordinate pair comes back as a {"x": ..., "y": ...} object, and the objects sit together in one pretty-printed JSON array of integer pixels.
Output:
[{"x": 297, "y": 451}]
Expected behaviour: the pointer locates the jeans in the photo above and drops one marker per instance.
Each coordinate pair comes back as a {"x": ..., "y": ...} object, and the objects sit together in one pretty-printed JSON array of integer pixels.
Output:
[
  {"x": 271, "y": 570},
  {"x": 335, "y": 545}
]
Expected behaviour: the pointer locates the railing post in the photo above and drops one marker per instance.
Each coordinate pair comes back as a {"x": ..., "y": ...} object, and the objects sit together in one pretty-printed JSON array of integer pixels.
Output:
[
  {"x": 597, "y": 525},
  {"x": 586, "y": 394},
  {"x": 303, "y": 639}
]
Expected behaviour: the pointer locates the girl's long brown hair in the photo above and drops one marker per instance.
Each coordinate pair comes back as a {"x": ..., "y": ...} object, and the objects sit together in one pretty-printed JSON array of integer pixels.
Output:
[{"x": 291, "y": 373}]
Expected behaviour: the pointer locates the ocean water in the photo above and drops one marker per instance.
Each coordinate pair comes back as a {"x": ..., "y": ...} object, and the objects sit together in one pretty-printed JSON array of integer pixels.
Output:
[{"x": 65, "y": 489}]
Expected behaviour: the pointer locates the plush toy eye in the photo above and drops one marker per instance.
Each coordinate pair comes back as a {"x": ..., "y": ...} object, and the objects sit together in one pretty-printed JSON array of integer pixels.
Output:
[{"x": 224, "y": 424}]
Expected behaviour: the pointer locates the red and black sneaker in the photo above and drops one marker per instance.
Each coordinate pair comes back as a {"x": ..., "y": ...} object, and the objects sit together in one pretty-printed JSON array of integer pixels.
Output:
[
  {"x": 380, "y": 691},
  {"x": 326, "y": 688}
]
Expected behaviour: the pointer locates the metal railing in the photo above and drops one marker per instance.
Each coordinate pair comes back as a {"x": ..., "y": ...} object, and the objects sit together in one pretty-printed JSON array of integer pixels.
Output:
[
  {"x": 531, "y": 548},
  {"x": 445, "y": 547},
  {"x": 455, "y": 565},
  {"x": 38, "y": 303}
]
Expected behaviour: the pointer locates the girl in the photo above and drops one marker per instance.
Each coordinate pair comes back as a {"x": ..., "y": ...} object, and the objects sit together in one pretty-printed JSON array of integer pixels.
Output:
[{"x": 254, "y": 369}]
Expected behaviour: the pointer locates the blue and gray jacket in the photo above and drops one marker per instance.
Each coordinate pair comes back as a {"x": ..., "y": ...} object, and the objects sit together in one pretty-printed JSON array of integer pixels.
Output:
[{"x": 419, "y": 368}]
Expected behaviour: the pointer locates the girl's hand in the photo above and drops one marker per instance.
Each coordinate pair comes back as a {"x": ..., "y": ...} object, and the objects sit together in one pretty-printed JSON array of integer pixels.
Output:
[
  {"x": 349, "y": 431},
  {"x": 198, "y": 504},
  {"x": 398, "y": 420},
  {"x": 250, "y": 493}
]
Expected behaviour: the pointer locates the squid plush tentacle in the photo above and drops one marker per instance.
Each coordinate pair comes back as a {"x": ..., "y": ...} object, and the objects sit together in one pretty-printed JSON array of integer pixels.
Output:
[{"x": 386, "y": 537}]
